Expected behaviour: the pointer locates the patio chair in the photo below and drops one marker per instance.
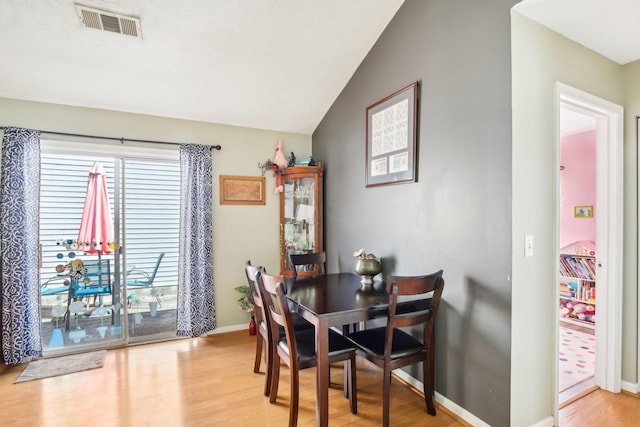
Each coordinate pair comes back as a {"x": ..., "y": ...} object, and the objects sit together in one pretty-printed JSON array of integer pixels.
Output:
[
  {"x": 138, "y": 278},
  {"x": 95, "y": 282},
  {"x": 54, "y": 285}
]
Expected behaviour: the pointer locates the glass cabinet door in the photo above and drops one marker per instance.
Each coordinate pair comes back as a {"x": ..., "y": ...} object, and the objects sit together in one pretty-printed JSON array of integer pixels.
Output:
[{"x": 300, "y": 219}]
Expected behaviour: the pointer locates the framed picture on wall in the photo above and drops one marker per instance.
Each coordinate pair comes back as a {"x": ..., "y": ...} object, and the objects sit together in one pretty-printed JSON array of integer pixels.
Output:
[
  {"x": 583, "y": 211},
  {"x": 242, "y": 190},
  {"x": 391, "y": 138}
]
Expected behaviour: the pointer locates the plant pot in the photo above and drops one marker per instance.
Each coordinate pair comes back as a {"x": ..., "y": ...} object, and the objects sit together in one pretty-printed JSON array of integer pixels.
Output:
[
  {"x": 367, "y": 269},
  {"x": 252, "y": 326},
  {"x": 56, "y": 338},
  {"x": 77, "y": 335},
  {"x": 137, "y": 318},
  {"x": 153, "y": 308},
  {"x": 102, "y": 330}
]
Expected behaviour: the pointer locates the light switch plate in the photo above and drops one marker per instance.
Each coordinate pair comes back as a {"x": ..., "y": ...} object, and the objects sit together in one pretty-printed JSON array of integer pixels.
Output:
[{"x": 528, "y": 245}]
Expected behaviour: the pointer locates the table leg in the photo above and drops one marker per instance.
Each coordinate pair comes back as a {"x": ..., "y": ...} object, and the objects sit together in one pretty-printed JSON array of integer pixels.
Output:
[{"x": 322, "y": 373}]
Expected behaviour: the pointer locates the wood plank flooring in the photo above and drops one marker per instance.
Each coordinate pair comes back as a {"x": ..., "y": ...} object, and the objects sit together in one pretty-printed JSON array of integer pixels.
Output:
[
  {"x": 210, "y": 382},
  {"x": 601, "y": 408},
  {"x": 197, "y": 382}
]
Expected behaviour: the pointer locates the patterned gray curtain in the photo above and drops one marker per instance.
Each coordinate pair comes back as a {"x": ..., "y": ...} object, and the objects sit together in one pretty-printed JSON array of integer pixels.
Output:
[
  {"x": 196, "y": 301},
  {"x": 19, "y": 246}
]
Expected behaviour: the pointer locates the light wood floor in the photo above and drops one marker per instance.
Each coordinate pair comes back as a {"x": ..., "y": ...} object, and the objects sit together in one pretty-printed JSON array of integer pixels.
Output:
[
  {"x": 196, "y": 382},
  {"x": 210, "y": 382},
  {"x": 601, "y": 408}
]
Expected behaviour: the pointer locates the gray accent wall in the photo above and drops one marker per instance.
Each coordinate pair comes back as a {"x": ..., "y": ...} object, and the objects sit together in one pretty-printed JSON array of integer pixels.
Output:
[{"x": 457, "y": 216}]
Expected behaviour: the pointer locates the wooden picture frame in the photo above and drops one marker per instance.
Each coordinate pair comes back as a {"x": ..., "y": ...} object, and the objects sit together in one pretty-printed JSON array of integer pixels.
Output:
[
  {"x": 583, "y": 211},
  {"x": 242, "y": 190},
  {"x": 391, "y": 138}
]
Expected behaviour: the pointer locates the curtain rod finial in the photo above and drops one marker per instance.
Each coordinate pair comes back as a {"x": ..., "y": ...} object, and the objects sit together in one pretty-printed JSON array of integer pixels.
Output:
[{"x": 217, "y": 147}]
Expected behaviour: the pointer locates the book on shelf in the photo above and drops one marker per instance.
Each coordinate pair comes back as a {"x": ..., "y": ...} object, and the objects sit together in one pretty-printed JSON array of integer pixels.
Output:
[{"x": 577, "y": 266}]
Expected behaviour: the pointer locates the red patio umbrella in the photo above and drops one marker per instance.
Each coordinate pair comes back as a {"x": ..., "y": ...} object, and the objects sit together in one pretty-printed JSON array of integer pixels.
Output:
[{"x": 96, "y": 226}]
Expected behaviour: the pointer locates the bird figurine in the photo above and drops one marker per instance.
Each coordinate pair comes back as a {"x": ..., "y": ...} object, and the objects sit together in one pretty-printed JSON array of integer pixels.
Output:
[{"x": 281, "y": 162}]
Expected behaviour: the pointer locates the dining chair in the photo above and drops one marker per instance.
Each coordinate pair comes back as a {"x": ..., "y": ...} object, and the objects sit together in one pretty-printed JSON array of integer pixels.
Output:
[
  {"x": 315, "y": 259},
  {"x": 297, "y": 348},
  {"x": 263, "y": 340},
  {"x": 318, "y": 261},
  {"x": 390, "y": 348}
]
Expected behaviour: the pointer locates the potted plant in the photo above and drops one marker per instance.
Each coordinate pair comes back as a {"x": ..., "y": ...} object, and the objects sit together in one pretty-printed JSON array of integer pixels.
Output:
[
  {"x": 57, "y": 311},
  {"x": 245, "y": 302},
  {"x": 101, "y": 312},
  {"x": 153, "y": 305},
  {"x": 136, "y": 302}
]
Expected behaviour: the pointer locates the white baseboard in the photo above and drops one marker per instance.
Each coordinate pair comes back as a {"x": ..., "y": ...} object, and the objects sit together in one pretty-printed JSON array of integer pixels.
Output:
[
  {"x": 546, "y": 422},
  {"x": 231, "y": 328},
  {"x": 451, "y": 406},
  {"x": 630, "y": 387}
]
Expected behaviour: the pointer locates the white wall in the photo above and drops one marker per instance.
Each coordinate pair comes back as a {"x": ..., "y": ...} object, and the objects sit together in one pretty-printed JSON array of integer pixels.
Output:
[
  {"x": 541, "y": 57},
  {"x": 239, "y": 232}
]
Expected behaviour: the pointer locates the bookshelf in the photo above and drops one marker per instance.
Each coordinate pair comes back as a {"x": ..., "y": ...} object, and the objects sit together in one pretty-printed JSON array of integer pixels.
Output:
[{"x": 578, "y": 289}]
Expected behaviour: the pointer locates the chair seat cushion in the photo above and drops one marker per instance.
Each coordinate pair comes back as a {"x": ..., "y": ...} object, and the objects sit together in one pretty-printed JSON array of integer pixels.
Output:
[
  {"x": 306, "y": 342},
  {"x": 372, "y": 342}
]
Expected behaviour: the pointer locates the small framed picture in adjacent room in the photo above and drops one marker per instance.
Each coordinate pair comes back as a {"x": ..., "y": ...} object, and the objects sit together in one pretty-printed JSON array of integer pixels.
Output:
[{"x": 583, "y": 211}]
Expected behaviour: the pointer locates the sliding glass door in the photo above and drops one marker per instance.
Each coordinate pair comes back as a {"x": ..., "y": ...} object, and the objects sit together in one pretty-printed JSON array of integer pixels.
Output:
[
  {"x": 126, "y": 293},
  {"x": 151, "y": 223}
]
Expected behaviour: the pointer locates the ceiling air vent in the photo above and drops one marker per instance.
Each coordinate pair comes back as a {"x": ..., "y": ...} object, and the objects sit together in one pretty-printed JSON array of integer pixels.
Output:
[{"x": 107, "y": 21}]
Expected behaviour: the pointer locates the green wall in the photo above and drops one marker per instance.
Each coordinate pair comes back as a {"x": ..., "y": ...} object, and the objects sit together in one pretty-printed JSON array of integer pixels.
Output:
[
  {"x": 540, "y": 58},
  {"x": 240, "y": 232}
]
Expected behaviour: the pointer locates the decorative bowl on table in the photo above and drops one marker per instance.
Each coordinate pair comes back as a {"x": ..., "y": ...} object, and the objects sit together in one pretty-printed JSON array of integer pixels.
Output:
[{"x": 367, "y": 268}]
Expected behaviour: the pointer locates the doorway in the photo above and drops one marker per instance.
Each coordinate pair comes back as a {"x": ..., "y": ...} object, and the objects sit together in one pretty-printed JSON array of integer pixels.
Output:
[
  {"x": 577, "y": 233},
  {"x": 132, "y": 295},
  {"x": 594, "y": 241}
]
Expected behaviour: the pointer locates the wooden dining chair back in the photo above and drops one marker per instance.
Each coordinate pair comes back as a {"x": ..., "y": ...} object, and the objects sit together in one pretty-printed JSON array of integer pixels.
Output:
[
  {"x": 313, "y": 262},
  {"x": 413, "y": 301},
  {"x": 263, "y": 340},
  {"x": 297, "y": 347}
]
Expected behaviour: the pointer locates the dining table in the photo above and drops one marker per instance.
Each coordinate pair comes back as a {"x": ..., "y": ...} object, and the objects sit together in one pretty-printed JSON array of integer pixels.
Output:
[{"x": 333, "y": 300}]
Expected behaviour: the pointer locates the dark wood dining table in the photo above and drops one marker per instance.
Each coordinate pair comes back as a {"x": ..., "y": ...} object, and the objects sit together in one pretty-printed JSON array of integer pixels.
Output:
[{"x": 333, "y": 300}]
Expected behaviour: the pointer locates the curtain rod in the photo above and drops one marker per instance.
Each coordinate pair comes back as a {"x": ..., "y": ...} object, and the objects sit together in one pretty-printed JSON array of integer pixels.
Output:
[{"x": 111, "y": 138}]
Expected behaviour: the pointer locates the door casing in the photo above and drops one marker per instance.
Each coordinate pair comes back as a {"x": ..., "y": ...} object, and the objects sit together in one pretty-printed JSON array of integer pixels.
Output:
[{"x": 609, "y": 197}]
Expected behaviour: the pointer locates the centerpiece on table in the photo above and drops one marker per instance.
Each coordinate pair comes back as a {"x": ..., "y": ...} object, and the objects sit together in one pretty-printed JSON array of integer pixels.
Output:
[
  {"x": 245, "y": 302},
  {"x": 367, "y": 266}
]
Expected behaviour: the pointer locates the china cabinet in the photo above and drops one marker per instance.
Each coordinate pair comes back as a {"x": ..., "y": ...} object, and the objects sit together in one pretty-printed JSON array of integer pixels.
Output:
[{"x": 300, "y": 215}]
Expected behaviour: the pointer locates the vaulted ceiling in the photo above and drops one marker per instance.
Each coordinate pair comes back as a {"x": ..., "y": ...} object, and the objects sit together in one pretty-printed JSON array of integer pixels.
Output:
[{"x": 269, "y": 64}]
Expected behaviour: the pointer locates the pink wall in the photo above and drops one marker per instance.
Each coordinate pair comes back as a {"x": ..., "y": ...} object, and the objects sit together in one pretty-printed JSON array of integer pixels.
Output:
[{"x": 577, "y": 187}]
